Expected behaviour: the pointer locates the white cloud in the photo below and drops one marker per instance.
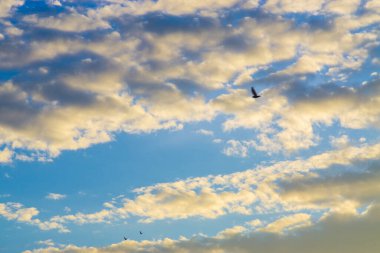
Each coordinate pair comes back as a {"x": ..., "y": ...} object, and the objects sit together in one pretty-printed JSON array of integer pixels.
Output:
[
  {"x": 205, "y": 132},
  {"x": 342, "y": 6},
  {"x": 16, "y": 211},
  {"x": 179, "y": 7},
  {"x": 236, "y": 148},
  {"x": 6, "y": 6},
  {"x": 312, "y": 6},
  {"x": 68, "y": 22},
  {"x": 127, "y": 66},
  {"x": 48, "y": 242},
  {"x": 288, "y": 223},
  {"x": 55, "y": 196},
  {"x": 259, "y": 190},
  {"x": 6, "y": 155},
  {"x": 328, "y": 235},
  {"x": 340, "y": 141},
  {"x": 280, "y": 6},
  {"x": 230, "y": 232},
  {"x": 54, "y": 2},
  {"x": 265, "y": 189},
  {"x": 373, "y": 5}
]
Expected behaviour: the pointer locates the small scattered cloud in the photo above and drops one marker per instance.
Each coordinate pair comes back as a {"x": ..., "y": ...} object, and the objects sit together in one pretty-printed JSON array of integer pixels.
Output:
[
  {"x": 205, "y": 132},
  {"x": 340, "y": 141},
  {"x": 55, "y": 196},
  {"x": 237, "y": 148},
  {"x": 48, "y": 243},
  {"x": 6, "y": 155},
  {"x": 288, "y": 223},
  {"x": 7, "y": 6},
  {"x": 330, "y": 234},
  {"x": 16, "y": 211}
]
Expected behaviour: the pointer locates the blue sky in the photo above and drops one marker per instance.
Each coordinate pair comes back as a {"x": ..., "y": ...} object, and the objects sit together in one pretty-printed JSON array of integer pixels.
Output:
[{"x": 125, "y": 116}]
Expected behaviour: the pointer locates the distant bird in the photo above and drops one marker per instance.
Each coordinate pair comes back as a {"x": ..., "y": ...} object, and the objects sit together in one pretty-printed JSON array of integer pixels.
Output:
[
  {"x": 254, "y": 93},
  {"x": 125, "y": 238},
  {"x": 141, "y": 233}
]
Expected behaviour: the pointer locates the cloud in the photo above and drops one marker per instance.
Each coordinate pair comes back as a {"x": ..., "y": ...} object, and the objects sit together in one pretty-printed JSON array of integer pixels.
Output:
[
  {"x": 341, "y": 141},
  {"x": 312, "y": 6},
  {"x": 335, "y": 233},
  {"x": 55, "y": 196},
  {"x": 236, "y": 148},
  {"x": 279, "y": 6},
  {"x": 288, "y": 223},
  {"x": 150, "y": 71},
  {"x": 70, "y": 22},
  {"x": 180, "y": 7},
  {"x": 6, "y": 155},
  {"x": 19, "y": 213},
  {"x": 48, "y": 242},
  {"x": 353, "y": 189},
  {"x": 276, "y": 188},
  {"x": 205, "y": 132},
  {"x": 6, "y": 6},
  {"x": 286, "y": 120}
]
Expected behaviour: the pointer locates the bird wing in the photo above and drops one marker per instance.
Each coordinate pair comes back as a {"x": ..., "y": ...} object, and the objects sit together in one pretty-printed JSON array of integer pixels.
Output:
[{"x": 253, "y": 91}]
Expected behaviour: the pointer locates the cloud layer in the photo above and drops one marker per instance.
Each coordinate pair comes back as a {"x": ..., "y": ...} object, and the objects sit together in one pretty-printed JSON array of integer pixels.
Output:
[
  {"x": 78, "y": 77},
  {"x": 336, "y": 233}
]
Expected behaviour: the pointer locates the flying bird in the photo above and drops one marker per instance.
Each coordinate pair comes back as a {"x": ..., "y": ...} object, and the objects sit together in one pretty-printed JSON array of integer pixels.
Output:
[
  {"x": 254, "y": 93},
  {"x": 141, "y": 233}
]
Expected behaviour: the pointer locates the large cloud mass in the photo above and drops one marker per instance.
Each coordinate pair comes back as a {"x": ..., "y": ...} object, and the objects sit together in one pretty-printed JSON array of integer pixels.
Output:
[
  {"x": 336, "y": 233},
  {"x": 78, "y": 77},
  {"x": 75, "y": 74}
]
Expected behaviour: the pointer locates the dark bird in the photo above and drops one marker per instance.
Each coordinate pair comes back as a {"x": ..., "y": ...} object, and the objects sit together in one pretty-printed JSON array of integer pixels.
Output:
[
  {"x": 254, "y": 93},
  {"x": 125, "y": 238},
  {"x": 141, "y": 233}
]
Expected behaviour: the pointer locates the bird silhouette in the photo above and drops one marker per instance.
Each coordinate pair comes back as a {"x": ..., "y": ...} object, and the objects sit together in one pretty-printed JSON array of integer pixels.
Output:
[
  {"x": 125, "y": 238},
  {"x": 254, "y": 93},
  {"x": 141, "y": 233}
]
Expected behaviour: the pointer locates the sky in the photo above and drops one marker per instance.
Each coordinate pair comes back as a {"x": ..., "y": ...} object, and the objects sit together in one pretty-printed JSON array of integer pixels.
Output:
[{"x": 122, "y": 116}]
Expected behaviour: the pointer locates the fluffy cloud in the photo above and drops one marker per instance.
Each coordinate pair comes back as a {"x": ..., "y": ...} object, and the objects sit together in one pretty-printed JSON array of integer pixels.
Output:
[
  {"x": 288, "y": 223},
  {"x": 288, "y": 186},
  {"x": 292, "y": 6},
  {"x": 6, "y": 6},
  {"x": 55, "y": 196},
  {"x": 6, "y": 155},
  {"x": 312, "y": 6},
  {"x": 353, "y": 108},
  {"x": 152, "y": 72},
  {"x": 72, "y": 22},
  {"x": 19, "y": 213},
  {"x": 335, "y": 233},
  {"x": 181, "y": 7},
  {"x": 236, "y": 148},
  {"x": 353, "y": 189},
  {"x": 340, "y": 141}
]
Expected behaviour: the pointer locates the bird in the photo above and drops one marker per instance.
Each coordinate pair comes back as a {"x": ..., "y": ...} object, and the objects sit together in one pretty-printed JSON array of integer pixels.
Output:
[
  {"x": 125, "y": 238},
  {"x": 254, "y": 93},
  {"x": 141, "y": 233}
]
